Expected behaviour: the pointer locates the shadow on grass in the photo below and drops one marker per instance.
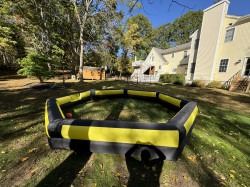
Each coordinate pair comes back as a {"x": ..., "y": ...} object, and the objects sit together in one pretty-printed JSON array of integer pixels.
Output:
[
  {"x": 67, "y": 171},
  {"x": 145, "y": 172},
  {"x": 200, "y": 171}
]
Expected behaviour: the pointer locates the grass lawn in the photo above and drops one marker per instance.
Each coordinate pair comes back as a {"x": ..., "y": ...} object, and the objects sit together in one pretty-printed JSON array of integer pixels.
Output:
[{"x": 217, "y": 153}]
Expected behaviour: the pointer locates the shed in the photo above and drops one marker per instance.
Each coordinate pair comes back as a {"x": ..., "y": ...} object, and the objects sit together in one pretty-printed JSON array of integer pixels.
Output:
[{"x": 96, "y": 73}]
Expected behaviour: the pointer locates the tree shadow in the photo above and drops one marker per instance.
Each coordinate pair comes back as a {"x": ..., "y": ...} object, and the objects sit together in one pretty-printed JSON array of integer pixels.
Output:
[
  {"x": 116, "y": 110},
  {"x": 67, "y": 171}
]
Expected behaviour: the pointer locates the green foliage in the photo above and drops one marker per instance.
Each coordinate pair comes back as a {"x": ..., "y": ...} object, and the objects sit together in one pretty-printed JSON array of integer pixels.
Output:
[
  {"x": 36, "y": 65},
  {"x": 184, "y": 26},
  {"x": 173, "y": 78},
  {"x": 214, "y": 84},
  {"x": 161, "y": 36},
  {"x": 198, "y": 83},
  {"x": 123, "y": 65},
  {"x": 137, "y": 38},
  {"x": 11, "y": 39}
]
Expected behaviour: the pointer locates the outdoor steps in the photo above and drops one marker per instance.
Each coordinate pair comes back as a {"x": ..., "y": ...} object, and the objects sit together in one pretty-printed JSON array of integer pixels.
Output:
[{"x": 239, "y": 85}]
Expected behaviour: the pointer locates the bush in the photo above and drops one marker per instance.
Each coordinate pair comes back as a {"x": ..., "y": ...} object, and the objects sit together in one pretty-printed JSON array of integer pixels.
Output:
[
  {"x": 173, "y": 78},
  {"x": 214, "y": 84},
  {"x": 36, "y": 65},
  {"x": 198, "y": 83}
]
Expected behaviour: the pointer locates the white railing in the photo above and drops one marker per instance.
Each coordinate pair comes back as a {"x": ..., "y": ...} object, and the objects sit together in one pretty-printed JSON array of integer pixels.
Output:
[
  {"x": 138, "y": 74},
  {"x": 145, "y": 78},
  {"x": 138, "y": 63}
]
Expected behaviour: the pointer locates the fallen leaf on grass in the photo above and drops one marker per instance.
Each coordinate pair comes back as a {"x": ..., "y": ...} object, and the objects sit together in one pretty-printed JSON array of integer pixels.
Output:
[
  {"x": 101, "y": 166},
  {"x": 25, "y": 158},
  {"x": 117, "y": 174},
  {"x": 222, "y": 177},
  {"x": 32, "y": 150},
  {"x": 33, "y": 171},
  {"x": 232, "y": 176},
  {"x": 232, "y": 171},
  {"x": 192, "y": 158}
]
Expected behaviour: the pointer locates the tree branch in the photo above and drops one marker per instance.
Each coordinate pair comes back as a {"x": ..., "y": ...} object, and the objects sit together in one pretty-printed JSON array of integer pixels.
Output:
[
  {"x": 130, "y": 10},
  {"x": 180, "y": 4}
]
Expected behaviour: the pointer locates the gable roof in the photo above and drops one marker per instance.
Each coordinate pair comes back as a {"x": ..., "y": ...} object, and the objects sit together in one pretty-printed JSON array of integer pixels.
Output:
[
  {"x": 177, "y": 48},
  {"x": 159, "y": 52},
  {"x": 242, "y": 20}
]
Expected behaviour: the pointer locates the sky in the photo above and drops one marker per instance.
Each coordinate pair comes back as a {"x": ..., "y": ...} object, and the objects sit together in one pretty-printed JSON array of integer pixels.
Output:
[{"x": 163, "y": 11}]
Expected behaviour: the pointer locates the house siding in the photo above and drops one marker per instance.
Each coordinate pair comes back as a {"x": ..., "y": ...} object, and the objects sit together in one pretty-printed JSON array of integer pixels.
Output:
[
  {"x": 210, "y": 33},
  {"x": 236, "y": 50},
  {"x": 178, "y": 63}
]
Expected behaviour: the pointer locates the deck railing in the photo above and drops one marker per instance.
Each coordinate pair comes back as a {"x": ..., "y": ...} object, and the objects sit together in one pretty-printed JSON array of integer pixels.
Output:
[{"x": 233, "y": 79}]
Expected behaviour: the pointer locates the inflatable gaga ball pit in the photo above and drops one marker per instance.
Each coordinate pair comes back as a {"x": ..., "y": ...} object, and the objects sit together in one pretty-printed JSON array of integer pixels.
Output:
[{"x": 118, "y": 137}]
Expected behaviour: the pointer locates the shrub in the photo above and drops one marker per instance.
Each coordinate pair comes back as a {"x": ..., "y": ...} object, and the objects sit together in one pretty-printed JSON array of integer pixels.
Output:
[
  {"x": 36, "y": 65},
  {"x": 198, "y": 83},
  {"x": 179, "y": 79},
  {"x": 214, "y": 84},
  {"x": 173, "y": 78}
]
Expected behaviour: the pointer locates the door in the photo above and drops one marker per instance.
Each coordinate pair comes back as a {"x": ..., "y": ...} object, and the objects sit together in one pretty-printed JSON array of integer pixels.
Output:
[{"x": 247, "y": 69}]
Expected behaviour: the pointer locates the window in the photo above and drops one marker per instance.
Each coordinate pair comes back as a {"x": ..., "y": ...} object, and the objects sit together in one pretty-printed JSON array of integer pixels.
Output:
[
  {"x": 160, "y": 67},
  {"x": 223, "y": 65},
  {"x": 152, "y": 58},
  {"x": 172, "y": 55},
  {"x": 229, "y": 35},
  {"x": 196, "y": 44},
  {"x": 192, "y": 67},
  {"x": 185, "y": 54},
  {"x": 174, "y": 70}
]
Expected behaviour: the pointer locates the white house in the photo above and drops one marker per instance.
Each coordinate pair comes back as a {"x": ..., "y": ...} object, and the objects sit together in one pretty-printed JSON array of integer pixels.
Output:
[{"x": 219, "y": 50}]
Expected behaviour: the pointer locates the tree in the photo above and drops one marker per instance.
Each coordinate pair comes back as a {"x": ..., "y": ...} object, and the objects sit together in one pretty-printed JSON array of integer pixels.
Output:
[
  {"x": 36, "y": 65},
  {"x": 162, "y": 36},
  {"x": 11, "y": 39},
  {"x": 184, "y": 26},
  {"x": 138, "y": 35},
  {"x": 102, "y": 11}
]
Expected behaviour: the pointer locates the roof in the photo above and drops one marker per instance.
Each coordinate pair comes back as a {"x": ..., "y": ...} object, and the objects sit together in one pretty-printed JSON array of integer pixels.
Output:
[
  {"x": 159, "y": 53},
  {"x": 177, "y": 48},
  {"x": 242, "y": 20}
]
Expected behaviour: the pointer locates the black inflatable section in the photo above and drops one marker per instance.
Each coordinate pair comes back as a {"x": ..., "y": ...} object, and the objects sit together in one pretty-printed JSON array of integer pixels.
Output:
[{"x": 118, "y": 137}]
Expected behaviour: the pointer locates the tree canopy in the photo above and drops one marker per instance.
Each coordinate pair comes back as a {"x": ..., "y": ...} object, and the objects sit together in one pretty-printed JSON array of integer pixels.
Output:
[
  {"x": 50, "y": 34},
  {"x": 138, "y": 35}
]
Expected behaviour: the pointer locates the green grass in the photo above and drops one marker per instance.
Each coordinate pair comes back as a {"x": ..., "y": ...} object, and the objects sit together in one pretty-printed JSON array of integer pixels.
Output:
[
  {"x": 122, "y": 109},
  {"x": 217, "y": 153}
]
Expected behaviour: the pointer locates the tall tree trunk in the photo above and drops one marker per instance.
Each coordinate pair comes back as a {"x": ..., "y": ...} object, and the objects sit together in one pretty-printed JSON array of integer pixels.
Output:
[
  {"x": 82, "y": 19},
  {"x": 81, "y": 55}
]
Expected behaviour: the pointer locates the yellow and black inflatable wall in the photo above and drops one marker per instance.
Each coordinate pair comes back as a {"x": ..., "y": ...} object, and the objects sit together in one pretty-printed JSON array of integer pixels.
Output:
[{"x": 118, "y": 137}]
